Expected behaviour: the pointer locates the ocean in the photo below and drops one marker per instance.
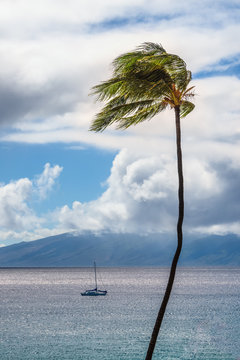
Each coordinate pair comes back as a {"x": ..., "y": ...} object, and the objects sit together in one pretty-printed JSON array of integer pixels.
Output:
[{"x": 44, "y": 317}]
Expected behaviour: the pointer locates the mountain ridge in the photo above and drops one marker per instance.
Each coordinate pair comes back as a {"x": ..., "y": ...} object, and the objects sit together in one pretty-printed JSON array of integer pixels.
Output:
[{"x": 109, "y": 249}]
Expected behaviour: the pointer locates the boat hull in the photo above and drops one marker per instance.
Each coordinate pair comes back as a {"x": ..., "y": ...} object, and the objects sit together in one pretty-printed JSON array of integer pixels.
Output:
[{"x": 94, "y": 293}]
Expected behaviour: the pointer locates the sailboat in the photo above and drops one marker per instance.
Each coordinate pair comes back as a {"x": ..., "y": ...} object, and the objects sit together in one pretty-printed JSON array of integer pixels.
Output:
[{"x": 96, "y": 291}]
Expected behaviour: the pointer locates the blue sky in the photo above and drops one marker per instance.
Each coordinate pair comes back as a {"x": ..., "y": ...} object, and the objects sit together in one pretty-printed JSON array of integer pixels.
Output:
[
  {"x": 84, "y": 175},
  {"x": 56, "y": 176}
]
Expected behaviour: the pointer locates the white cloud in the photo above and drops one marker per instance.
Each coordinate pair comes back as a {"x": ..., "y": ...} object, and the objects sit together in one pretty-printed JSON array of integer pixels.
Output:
[
  {"x": 34, "y": 233},
  {"x": 133, "y": 187},
  {"x": 16, "y": 212},
  {"x": 201, "y": 179},
  {"x": 219, "y": 229},
  {"x": 142, "y": 197},
  {"x": 46, "y": 180}
]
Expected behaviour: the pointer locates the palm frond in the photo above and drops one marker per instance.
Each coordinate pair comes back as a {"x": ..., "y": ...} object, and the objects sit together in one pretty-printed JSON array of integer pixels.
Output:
[
  {"x": 145, "y": 81},
  {"x": 137, "y": 86},
  {"x": 143, "y": 114},
  {"x": 102, "y": 121},
  {"x": 127, "y": 62},
  {"x": 188, "y": 93},
  {"x": 126, "y": 114},
  {"x": 106, "y": 89},
  {"x": 151, "y": 47},
  {"x": 185, "y": 108}
]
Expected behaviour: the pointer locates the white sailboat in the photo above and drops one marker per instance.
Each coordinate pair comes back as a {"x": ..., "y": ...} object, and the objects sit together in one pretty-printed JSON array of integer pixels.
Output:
[{"x": 96, "y": 291}]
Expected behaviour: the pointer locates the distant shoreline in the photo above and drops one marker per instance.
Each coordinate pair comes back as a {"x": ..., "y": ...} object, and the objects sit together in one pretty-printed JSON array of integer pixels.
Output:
[{"x": 202, "y": 267}]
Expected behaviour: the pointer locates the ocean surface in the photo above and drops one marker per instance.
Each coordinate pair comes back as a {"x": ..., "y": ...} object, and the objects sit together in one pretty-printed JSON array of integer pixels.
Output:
[{"x": 44, "y": 317}]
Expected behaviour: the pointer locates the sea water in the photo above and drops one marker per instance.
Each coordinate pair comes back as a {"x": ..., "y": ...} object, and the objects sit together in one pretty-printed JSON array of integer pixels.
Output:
[{"x": 44, "y": 317}]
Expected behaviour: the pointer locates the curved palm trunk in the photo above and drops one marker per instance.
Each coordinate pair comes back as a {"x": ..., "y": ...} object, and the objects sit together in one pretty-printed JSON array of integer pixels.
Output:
[{"x": 168, "y": 290}]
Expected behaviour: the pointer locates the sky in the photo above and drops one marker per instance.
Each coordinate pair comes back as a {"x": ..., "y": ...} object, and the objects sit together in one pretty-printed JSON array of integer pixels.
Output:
[{"x": 57, "y": 176}]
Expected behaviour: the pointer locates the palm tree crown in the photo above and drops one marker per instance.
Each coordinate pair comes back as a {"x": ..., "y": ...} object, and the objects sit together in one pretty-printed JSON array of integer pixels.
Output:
[{"x": 144, "y": 83}]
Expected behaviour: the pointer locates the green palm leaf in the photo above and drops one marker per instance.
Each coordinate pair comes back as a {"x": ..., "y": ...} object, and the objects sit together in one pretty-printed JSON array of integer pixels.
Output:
[
  {"x": 186, "y": 107},
  {"x": 145, "y": 82}
]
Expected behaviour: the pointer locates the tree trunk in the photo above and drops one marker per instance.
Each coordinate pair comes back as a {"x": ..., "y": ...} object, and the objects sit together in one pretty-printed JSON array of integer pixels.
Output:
[{"x": 168, "y": 290}]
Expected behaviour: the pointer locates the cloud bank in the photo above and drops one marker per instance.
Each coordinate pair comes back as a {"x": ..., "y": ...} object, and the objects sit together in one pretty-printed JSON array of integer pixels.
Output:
[{"x": 141, "y": 196}]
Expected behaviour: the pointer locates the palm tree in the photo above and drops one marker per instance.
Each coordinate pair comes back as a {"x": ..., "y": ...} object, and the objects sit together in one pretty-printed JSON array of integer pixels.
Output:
[{"x": 144, "y": 83}]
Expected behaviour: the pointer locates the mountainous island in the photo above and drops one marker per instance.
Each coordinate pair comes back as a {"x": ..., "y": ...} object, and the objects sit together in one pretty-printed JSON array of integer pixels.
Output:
[{"x": 73, "y": 250}]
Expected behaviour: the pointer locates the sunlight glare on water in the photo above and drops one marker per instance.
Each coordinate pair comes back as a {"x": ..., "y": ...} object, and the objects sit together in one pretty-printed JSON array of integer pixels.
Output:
[{"x": 43, "y": 315}]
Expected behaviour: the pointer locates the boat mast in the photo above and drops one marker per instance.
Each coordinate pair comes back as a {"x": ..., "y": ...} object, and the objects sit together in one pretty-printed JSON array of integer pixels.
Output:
[{"x": 95, "y": 274}]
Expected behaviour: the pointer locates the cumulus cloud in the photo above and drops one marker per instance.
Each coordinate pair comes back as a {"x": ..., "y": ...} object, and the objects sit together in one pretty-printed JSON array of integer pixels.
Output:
[
  {"x": 138, "y": 193},
  {"x": 142, "y": 197},
  {"x": 14, "y": 211},
  {"x": 46, "y": 180},
  {"x": 17, "y": 217}
]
